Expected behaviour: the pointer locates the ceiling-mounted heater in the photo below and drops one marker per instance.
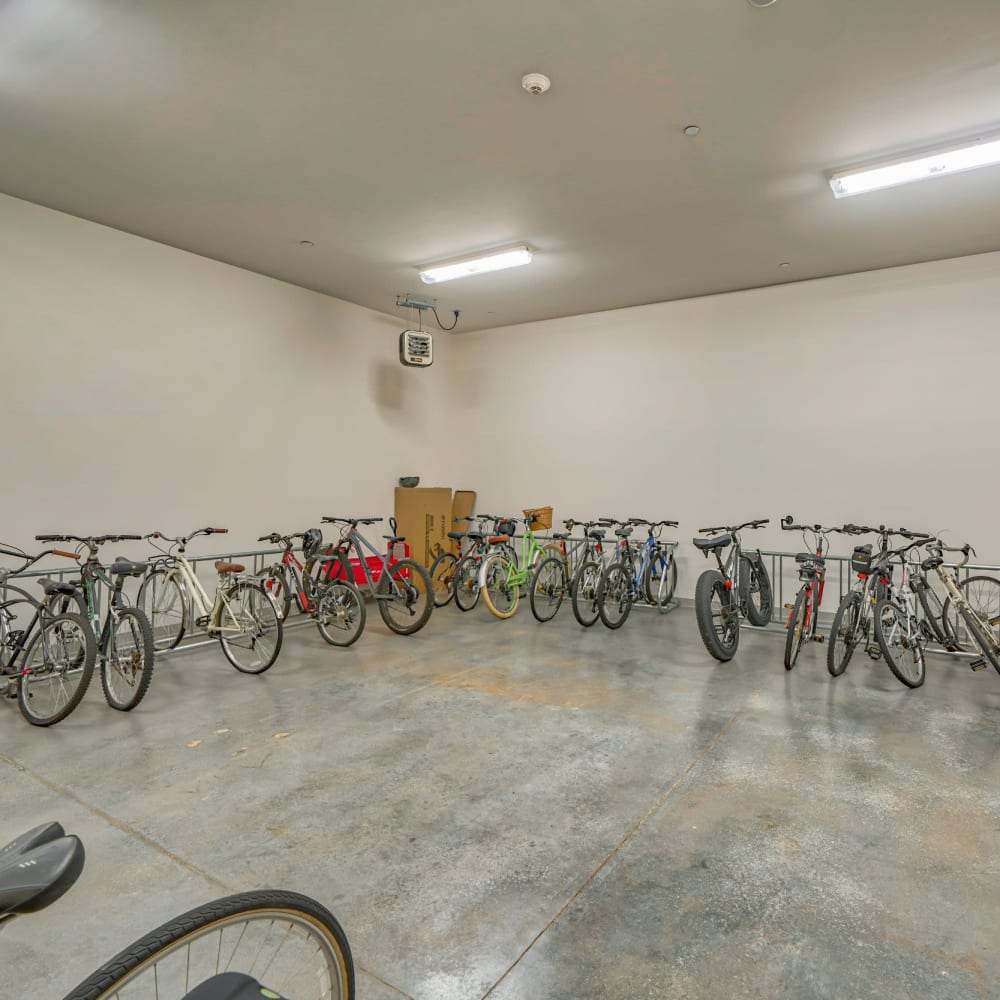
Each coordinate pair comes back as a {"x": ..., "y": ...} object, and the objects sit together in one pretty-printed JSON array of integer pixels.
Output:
[{"x": 416, "y": 349}]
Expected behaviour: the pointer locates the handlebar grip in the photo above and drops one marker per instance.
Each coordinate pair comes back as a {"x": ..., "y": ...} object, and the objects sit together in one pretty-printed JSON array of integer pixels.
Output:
[
  {"x": 265, "y": 538},
  {"x": 129, "y": 538},
  {"x": 49, "y": 538},
  {"x": 220, "y": 531},
  {"x": 65, "y": 555}
]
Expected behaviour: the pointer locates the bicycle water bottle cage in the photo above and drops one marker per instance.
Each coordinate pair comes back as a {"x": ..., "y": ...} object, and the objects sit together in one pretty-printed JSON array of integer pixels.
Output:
[
  {"x": 311, "y": 542},
  {"x": 861, "y": 559}
]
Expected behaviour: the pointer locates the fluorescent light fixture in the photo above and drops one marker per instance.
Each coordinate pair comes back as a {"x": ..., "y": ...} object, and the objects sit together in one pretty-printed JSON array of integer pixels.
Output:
[
  {"x": 463, "y": 267},
  {"x": 954, "y": 159}
]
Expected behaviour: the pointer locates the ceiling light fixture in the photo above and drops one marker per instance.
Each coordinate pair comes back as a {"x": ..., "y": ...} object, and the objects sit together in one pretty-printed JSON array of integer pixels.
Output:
[
  {"x": 306, "y": 243},
  {"x": 692, "y": 130},
  {"x": 762, "y": 3},
  {"x": 481, "y": 263},
  {"x": 956, "y": 158}
]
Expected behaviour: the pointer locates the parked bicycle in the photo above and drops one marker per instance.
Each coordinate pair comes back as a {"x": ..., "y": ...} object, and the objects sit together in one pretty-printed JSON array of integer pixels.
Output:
[
  {"x": 125, "y": 650},
  {"x": 444, "y": 569},
  {"x": 803, "y": 619},
  {"x": 252, "y": 945},
  {"x": 552, "y": 578},
  {"x": 629, "y": 577},
  {"x": 740, "y": 588},
  {"x": 587, "y": 579},
  {"x": 46, "y": 657},
  {"x": 336, "y": 606},
  {"x": 240, "y": 615},
  {"x": 401, "y": 587},
  {"x": 491, "y": 535},
  {"x": 501, "y": 576}
]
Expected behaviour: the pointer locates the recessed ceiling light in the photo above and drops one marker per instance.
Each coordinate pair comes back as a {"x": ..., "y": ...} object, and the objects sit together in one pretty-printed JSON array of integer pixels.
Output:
[
  {"x": 918, "y": 166},
  {"x": 481, "y": 263},
  {"x": 306, "y": 243},
  {"x": 692, "y": 129},
  {"x": 761, "y": 3},
  {"x": 784, "y": 263}
]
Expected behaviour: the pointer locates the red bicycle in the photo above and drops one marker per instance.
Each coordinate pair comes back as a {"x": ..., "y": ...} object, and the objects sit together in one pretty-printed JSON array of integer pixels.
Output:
[
  {"x": 803, "y": 616},
  {"x": 336, "y": 605}
]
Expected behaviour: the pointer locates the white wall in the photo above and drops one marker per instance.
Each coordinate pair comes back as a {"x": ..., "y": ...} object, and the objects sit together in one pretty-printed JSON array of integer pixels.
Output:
[
  {"x": 148, "y": 388},
  {"x": 870, "y": 397}
]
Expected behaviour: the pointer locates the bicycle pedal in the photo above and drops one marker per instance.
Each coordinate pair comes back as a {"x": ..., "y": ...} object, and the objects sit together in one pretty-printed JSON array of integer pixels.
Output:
[
  {"x": 819, "y": 638},
  {"x": 202, "y": 621},
  {"x": 978, "y": 665},
  {"x": 788, "y": 607}
]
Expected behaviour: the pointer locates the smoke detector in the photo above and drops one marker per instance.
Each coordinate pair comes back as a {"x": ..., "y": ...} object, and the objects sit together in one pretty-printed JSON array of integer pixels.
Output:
[{"x": 535, "y": 83}]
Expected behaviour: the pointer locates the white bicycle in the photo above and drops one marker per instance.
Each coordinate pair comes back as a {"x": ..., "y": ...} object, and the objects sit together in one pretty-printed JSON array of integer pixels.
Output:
[{"x": 242, "y": 616}]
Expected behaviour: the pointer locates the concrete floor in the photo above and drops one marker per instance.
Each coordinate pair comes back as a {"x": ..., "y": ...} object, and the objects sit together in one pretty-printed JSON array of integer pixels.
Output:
[{"x": 527, "y": 811}]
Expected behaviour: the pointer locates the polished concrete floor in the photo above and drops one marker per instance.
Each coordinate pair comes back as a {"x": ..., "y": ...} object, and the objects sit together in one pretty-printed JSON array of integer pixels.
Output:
[{"x": 518, "y": 810}]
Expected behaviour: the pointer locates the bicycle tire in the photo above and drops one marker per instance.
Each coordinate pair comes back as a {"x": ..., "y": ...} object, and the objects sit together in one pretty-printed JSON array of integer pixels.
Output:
[
  {"x": 496, "y": 564},
  {"x": 584, "y": 590},
  {"x": 163, "y": 599},
  {"x": 759, "y": 608},
  {"x": 274, "y": 580},
  {"x": 795, "y": 630},
  {"x": 341, "y": 601},
  {"x": 976, "y": 590},
  {"x": 934, "y": 612},
  {"x": 467, "y": 583},
  {"x": 844, "y": 638},
  {"x": 138, "y": 675},
  {"x": 913, "y": 654},
  {"x": 973, "y": 626},
  {"x": 443, "y": 578},
  {"x": 659, "y": 580},
  {"x": 417, "y": 591},
  {"x": 86, "y": 668},
  {"x": 616, "y": 583},
  {"x": 711, "y": 586},
  {"x": 170, "y": 937},
  {"x": 259, "y": 613},
  {"x": 551, "y": 575},
  {"x": 72, "y": 604}
]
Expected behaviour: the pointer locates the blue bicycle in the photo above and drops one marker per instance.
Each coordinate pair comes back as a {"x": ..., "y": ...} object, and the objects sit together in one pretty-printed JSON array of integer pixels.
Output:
[{"x": 635, "y": 571}]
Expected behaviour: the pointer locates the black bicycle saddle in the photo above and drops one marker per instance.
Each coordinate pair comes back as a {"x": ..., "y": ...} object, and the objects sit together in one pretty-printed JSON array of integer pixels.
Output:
[
  {"x": 33, "y": 879},
  {"x": 231, "y": 986}
]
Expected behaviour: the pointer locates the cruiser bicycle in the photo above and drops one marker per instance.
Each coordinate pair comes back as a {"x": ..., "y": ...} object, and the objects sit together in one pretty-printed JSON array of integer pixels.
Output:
[{"x": 501, "y": 576}]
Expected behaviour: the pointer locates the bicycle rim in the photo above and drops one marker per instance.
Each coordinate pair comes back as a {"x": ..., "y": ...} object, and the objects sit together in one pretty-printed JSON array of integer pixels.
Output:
[
  {"x": 548, "y": 589},
  {"x": 499, "y": 592},
  {"x": 56, "y": 669},
  {"x": 411, "y": 603},
  {"x": 900, "y": 643},
  {"x": 127, "y": 666},
  {"x": 163, "y": 600},
  {"x": 250, "y": 628},
  {"x": 340, "y": 617},
  {"x": 615, "y": 598},
  {"x": 585, "y": 608}
]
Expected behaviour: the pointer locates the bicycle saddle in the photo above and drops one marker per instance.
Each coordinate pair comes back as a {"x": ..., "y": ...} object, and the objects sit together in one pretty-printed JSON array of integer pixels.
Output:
[
  {"x": 624, "y": 532},
  {"x": 597, "y": 533},
  {"x": 33, "y": 879},
  {"x": 457, "y": 535},
  {"x": 499, "y": 539},
  {"x": 560, "y": 535},
  {"x": 932, "y": 562},
  {"x": 125, "y": 567},
  {"x": 719, "y": 542},
  {"x": 231, "y": 986},
  {"x": 33, "y": 838},
  {"x": 477, "y": 536},
  {"x": 222, "y": 566},
  {"x": 394, "y": 538},
  {"x": 55, "y": 586}
]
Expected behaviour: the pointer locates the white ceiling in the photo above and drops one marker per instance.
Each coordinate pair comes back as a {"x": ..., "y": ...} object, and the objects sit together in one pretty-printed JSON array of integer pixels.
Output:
[{"x": 395, "y": 133}]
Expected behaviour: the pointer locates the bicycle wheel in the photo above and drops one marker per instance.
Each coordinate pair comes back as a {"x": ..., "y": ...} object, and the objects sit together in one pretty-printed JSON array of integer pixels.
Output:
[
  {"x": 56, "y": 668},
  {"x": 250, "y": 630},
  {"x": 412, "y": 600},
  {"x": 614, "y": 595},
  {"x": 846, "y": 632},
  {"x": 164, "y": 602},
  {"x": 796, "y": 630},
  {"x": 934, "y": 614},
  {"x": 757, "y": 585},
  {"x": 127, "y": 664},
  {"x": 660, "y": 580},
  {"x": 499, "y": 592},
  {"x": 284, "y": 943},
  {"x": 467, "y": 583},
  {"x": 584, "y": 590},
  {"x": 983, "y": 596},
  {"x": 443, "y": 578},
  {"x": 547, "y": 588},
  {"x": 901, "y": 642},
  {"x": 274, "y": 580},
  {"x": 982, "y": 641},
  {"x": 340, "y": 613},
  {"x": 718, "y": 615}
]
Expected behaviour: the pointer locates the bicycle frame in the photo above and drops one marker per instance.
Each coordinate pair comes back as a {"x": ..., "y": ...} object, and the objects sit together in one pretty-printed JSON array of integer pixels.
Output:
[
  {"x": 340, "y": 564},
  {"x": 517, "y": 576},
  {"x": 209, "y": 609}
]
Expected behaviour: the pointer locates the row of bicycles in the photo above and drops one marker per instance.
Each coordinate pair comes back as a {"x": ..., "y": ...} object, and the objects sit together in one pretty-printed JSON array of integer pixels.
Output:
[
  {"x": 892, "y": 609},
  {"x": 600, "y": 580},
  {"x": 51, "y": 646}
]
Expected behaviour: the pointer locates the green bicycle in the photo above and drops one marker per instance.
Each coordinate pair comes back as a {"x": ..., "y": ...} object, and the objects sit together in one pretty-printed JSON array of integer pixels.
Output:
[{"x": 501, "y": 576}]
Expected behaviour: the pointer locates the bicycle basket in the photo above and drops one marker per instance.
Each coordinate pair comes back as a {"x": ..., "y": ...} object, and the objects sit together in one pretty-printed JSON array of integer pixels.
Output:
[
  {"x": 311, "y": 542},
  {"x": 541, "y": 518},
  {"x": 506, "y": 528},
  {"x": 861, "y": 559}
]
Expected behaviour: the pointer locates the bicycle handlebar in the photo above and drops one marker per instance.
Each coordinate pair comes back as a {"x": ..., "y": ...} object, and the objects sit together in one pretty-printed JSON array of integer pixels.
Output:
[
  {"x": 352, "y": 520},
  {"x": 759, "y": 523}
]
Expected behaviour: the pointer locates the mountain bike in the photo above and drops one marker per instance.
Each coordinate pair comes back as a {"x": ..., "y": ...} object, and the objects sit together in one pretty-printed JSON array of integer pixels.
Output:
[
  {"x": 241, "y": 615},
  {"x": 252, "y": 945},
  {"x": 739, "y": 588},
  {"x": 336, "y": 606},
  {"x": 501, "y": 577},
  {"x": 125, "y": 648},
  {"x": 402, "y": 587},
  {"x": 587, "y": 578},
  {"x": 803, "y": 617},
  {"x": 48, "y": 663},
  {"x": 552, "y": 577},
  {"x": 658, "y": 565}
]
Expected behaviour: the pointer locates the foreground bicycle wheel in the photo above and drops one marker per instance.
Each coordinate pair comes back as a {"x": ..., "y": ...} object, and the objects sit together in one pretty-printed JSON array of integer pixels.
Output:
[
  {"x": 250, "y": 627},
  {"x": 340, "y": 613},
  {"x": 758, "y": 592},
  {"x": 467, "y": 583},
  {"x": 547, "y": 588},
  {"x": 717, "y": 614},
  {"x": 845, "y": 634},
  {"x": 127, "y": 666},
  {"x": 660, "y": 580},
  {"x": 56, "y": 669},
  {"x": 901, "y": 643},
  {"x": 274, "y": 579},
  {"x": 584, "y": 591},
  {"x": 443, "y": 578},
  {"x": 290, "y": 944},
  {"x": 981, "y": 640},
  {"x": 164, "y": 602},
  {"x": 499, "y": 593},
  {"x": 614, "y": 595},
  {"x": 412, "y": 599},
  {"x": 796, "y": 630},
  {"x": 983, "y": 595}
]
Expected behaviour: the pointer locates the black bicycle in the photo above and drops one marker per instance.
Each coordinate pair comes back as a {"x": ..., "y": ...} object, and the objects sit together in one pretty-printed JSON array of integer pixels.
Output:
[
  {"x": 46, "y": 657},
  {"x": 740, "y": 588},
  {"x": 264, "y": 944},
  {"x": 125, "y": 640}
]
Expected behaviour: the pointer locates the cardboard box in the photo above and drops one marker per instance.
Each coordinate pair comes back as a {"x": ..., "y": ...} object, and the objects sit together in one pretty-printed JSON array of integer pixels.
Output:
[{"x": 424, "y": 516}]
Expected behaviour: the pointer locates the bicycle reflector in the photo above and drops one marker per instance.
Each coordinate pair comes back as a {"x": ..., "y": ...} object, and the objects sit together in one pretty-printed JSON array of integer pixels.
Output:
[{"x": 416, "y": 349}]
